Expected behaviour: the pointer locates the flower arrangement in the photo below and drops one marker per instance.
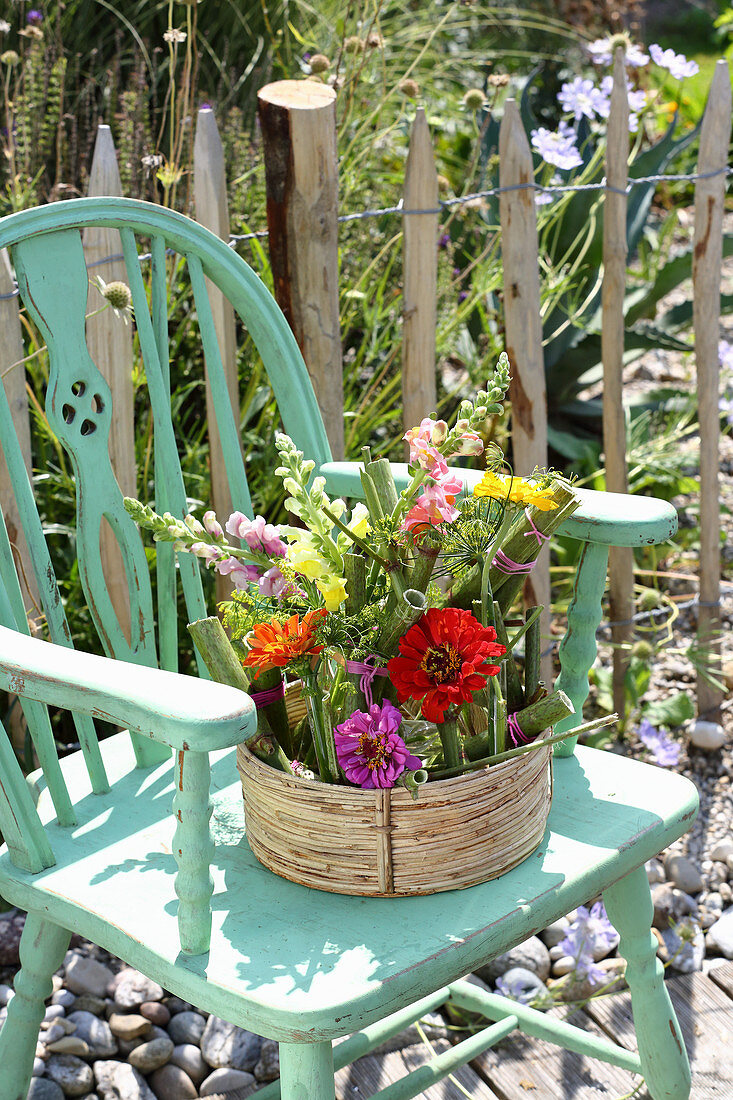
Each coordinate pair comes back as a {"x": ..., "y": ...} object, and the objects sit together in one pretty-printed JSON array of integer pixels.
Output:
[{"x": 395, "y": 616}]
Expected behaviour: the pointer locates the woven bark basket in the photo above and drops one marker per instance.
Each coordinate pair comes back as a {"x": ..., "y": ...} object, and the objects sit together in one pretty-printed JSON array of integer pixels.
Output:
[{"x": 458, "y": 833}]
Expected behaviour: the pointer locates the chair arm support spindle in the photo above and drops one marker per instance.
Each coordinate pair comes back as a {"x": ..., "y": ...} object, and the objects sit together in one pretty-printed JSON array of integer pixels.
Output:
[{"x": 193, "y": 849}]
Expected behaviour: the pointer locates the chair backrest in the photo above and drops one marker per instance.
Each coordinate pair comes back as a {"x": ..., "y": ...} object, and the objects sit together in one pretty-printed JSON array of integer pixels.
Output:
[{"x": 46, "y": 249}]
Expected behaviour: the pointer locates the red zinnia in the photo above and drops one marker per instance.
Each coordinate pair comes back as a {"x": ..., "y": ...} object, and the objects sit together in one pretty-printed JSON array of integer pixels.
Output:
[{"x": 442, "y": 660}]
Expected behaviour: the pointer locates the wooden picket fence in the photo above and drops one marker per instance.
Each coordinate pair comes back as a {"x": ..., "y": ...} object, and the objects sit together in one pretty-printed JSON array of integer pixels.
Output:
[{"x": 298, "y": 121}]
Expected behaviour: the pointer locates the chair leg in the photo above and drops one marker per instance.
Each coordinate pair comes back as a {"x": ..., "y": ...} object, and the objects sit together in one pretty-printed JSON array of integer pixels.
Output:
[
  {"x": 306, "y": 1071},
  {"x": 42, "y": 949},
  {"x": 661, "y": 1049}
]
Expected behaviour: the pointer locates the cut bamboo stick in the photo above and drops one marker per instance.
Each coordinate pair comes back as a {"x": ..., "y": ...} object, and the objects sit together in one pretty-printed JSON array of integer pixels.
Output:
[
  {"x": 706, "y": 273},
  {"x": 109, "y": 341},
  {"x": 523, "y": 322},
  {"x": 420, "y": 276},
  {"x": 621, "y": 559},
  {"x": 298, "y": 120}
]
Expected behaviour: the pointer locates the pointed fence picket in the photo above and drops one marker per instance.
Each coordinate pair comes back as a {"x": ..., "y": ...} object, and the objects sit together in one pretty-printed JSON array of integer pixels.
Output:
[
  {"x": 420, "y": 277},
  {"x": 109, "y": 339},
  {"x": 523, "y": 327},
  {"x": 706, "y": 274}
]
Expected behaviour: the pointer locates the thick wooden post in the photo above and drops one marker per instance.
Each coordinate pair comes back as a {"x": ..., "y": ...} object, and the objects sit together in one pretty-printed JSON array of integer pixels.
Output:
[
  {"x": 420, "y": 277},
  {"x": 109, "y": 341},
  {"x": 298, "y": 119},
  {"x": 621, "y": 559},
  {"x": 523, "y": 324},
  {"x": 212, "y": 210},
  {"x": 706, "y": 271}
]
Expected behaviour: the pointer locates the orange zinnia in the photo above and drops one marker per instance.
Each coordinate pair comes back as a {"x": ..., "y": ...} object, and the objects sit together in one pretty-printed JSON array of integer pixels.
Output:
[{"x": 275, "y": 644}]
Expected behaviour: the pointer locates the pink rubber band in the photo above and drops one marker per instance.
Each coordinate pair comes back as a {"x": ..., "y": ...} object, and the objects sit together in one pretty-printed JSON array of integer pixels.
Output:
[
  {"x": 516, "y": 736},
  {"x": 269, "y": 695},
  {"x": 541, "y": 536},
  {"x": 367, "y": 670},
  {"x": 506, "y": 565}
]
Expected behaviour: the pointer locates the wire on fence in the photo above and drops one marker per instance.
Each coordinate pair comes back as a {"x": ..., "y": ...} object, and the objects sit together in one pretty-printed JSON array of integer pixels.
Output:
[{"x": 446, "y": 204}]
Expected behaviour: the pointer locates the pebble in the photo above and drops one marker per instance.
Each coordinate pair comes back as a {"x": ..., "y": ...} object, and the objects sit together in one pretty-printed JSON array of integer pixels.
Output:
[
  {"x": 39, "y": 1067},
  {"x": 53, "y": 1012},
  {"x": 73, "y": 1075},
  {"x": 555, "y": 932},
  {"x": 683, "y": 956},
  {"x": 120, "y": 1081},
  {"x": 720, "y": 935},
  {"x": 156, "y": 1012},
  {"x": 96, "y": 1032},
  {"x": 11, "y": 929},
  {"x": 563, "y": 965},
  {"x": 654, "y": 871},
  {"x": 63, "y": 997},
  {"x": 129, "y": 1027},
  {"x": 176, "y": 1005},
  {"x": 532, "y": 955},
  {"x": 683, "y": 873},
  {"x": 223, "y": 1045},
  {"x": 87, "y": 1002},
  {"x": 706, "y": 735},
  {"x": 85, "y": 975},
  {"x": 225, "y": 1080},
  {"x": 268, "y": 1067},
  {"x": 69, "y": 1044},
  {"x": 152, "y": 1055},
  {"x": 525, "y": 984},
  {"x": 6, "y": 994},
  {"x": 43, "y": 1089},
  {"x": 670, "y": 904},
  {"x": 171, "y": 1083},
  {"x": 52, "y": 1033},
  {"x": 190, "y": 1059},
  {"x": 722, "y": 850},
  {"x": 187, "y": 1027},
  {"x": 131, "y": 989}
]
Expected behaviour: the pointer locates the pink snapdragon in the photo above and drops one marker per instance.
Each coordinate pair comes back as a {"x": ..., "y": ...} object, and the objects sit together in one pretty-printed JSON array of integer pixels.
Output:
[
  {"x": 432, "y": 507},
  {"x": 370, "y": 750},
  {"x": 468, "y": 443},
  {"x": 241, "y": 573},
  {"x": 424, "y": 441},
  {"x": 257, "y": 533},
  {"x": 212, "y": 525},
  {"x": 206, "y": 552}
]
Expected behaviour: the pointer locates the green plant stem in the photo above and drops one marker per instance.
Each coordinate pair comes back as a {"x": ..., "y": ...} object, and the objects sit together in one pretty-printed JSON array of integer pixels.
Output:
[
  {"x": 323, "y": 742},
  {"x": 450, "y": 739},
  {"x": 510, "y": 754},
  {"x": 514, "y": 694}
]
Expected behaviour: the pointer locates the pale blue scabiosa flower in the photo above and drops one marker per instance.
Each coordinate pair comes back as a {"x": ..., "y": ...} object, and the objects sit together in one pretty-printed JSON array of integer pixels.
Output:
[
  {"x": 557, "y": 146},
  {"x": 602, "y": 52},
  {"x": 676, "y": 63},
  {"x": 664, "y": 749},
  {"x": 590, "y": 931}
]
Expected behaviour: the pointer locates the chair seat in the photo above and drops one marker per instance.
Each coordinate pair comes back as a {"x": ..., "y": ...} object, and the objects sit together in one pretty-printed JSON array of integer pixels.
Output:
[{"x": 287, "y": 961}]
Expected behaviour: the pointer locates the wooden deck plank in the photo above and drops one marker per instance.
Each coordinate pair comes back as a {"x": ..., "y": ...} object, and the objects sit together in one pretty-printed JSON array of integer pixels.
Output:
[
  {"x": 723, "y": 978},
  {"x": 521, "y": 1068},
  {"x": 375, "y": 1071},
  {"x": 705, "y": 1014}
]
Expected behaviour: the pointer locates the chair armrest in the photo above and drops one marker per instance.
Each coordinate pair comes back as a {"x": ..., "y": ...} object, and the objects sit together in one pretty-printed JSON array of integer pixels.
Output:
[
  {"x": 182, "y": 712},
  {"x": 608, "y": 519}
]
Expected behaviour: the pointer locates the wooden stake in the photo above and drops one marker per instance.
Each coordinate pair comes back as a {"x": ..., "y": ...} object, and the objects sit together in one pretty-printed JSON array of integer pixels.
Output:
[
  {"x": 420, "y": 277},
  {"x": 523, "y": 322},
  {"x": 298, "y": 119},
  {"x": 706, "y": 272},
  {"x": 109, "y": 341},
  {"x": 621, "y": 559},
  {"x": 212, "y": 210}
]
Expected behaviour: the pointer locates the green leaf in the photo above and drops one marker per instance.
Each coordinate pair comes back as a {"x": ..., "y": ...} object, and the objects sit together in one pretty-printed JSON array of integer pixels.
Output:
[{"x": 672, "y": 711}]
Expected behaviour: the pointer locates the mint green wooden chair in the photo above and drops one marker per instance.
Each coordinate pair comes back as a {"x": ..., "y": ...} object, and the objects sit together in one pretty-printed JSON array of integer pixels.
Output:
[{"x": 137, "y": 842}]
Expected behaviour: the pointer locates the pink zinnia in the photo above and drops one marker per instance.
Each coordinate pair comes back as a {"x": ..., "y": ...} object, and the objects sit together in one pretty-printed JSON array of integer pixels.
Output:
[{"x": 370, "y": 750}]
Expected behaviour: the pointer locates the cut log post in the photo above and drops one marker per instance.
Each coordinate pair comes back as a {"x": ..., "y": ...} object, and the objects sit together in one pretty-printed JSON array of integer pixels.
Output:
[
  {"x": 298, "y": 120},
  {"x": 420, "y": 277},
  {"x": 109, "y": 341},
  {"x": 523, "y": 324},
  {"x": 13, "y": 380},
  {"x": 212, "y": 210},
  {"x": 621, "y": 559},
  {"x": 706, "y": 274}
]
